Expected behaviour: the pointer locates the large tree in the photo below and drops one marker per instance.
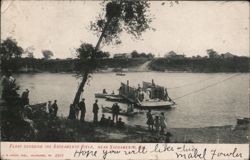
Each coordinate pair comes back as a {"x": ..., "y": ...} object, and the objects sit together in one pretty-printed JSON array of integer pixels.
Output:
[
  {"x": 9, "y": 49},
  {"x": 10, "y": 52},
  {"x": 117, "y": 16}
]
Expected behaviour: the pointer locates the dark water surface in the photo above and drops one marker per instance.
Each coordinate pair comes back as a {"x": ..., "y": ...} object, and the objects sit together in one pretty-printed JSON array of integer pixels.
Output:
[{"x": 219, "y": 104}]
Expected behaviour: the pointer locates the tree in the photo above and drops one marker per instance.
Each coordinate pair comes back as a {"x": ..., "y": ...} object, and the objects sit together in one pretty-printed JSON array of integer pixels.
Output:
[
  {"x": 130, "y": 16},
  {"x": 47, "y": 54},
  {"x": 10, "y": 52},
  {"x": 150, "y": 55},
  {"x": 105, "y": 54},
  {"x": 84, "y": 51},
  {"x": 9, "y": 49},
  {"x": 212, "y": 54},
  {"x": 30, "y": 52},
  {"x": 134, "y": 54},
  {"x": 170, "y": 54}
]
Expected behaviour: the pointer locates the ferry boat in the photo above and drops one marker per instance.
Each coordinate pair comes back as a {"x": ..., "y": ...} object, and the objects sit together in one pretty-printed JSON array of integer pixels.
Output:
[{"x": 149, "y": 96}]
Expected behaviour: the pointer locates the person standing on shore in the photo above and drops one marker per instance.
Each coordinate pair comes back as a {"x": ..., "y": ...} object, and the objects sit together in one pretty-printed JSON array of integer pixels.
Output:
[
  {"x": 50, "y": 108},
  {"x": 72, "y": 115},
  {"x": 163, "y": 123},
  {"x": 77, "y": 110},
  {"x": 25, "y": 97},
  {"x": 82, "y": 107},
  {"x": 150, "y": 121},
  {"x": 115, "y": 111},
  {"x": 95, "y": 111},
  {"x": 104, "y": 91},
  {"x": 55, "y": 108},
  {"x": 157, "y": 123}
]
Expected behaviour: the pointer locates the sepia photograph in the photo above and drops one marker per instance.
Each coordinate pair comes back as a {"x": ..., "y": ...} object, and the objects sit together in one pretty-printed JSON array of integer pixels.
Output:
[{"x": 121, "y": 71}]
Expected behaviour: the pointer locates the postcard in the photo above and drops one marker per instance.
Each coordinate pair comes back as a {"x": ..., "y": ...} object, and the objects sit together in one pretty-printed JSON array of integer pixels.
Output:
[{"x": 123, "y": 79}]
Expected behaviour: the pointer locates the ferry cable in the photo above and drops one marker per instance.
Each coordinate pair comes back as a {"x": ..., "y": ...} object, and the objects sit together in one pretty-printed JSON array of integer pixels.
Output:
[
  {"x": 190, "y": 84},
  {"x": 214, "y": 84}
]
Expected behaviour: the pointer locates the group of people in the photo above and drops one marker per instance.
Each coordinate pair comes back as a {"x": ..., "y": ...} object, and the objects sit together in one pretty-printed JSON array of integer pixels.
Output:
[
  {"x": 110, "y": 122},
  {"x": 53, "y": 108},
  {"x": 105, "y": 92},
  {"x": 104, "y": 121},
  {"x": 158, "y": 123},
  {"x": 75, "y": 109},
  {"x": 81, "y": 107}
]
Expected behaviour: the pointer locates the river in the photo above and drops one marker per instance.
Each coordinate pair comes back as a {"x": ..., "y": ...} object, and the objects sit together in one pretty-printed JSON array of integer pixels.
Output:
[{"x": 212, "y": 99}]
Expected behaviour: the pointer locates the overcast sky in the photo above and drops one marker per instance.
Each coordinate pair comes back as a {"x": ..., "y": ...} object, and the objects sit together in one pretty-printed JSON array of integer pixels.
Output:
[{"x": 189, "y": 27}]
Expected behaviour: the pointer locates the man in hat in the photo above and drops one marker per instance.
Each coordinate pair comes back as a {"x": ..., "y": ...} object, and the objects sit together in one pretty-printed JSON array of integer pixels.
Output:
[
  {"x": 54, "y": 108},
  {"x": 115, "y": 111},
  {"x": 82, "y": 107},
  {"x": 95, "y": 111}
]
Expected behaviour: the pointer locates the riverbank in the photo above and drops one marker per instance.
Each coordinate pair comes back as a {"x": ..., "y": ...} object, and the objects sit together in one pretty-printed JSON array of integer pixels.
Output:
[
  {"x": 41, "y": 127},
  {"x": 192, "y": 65},
  {"x": 201, "y": 65}
]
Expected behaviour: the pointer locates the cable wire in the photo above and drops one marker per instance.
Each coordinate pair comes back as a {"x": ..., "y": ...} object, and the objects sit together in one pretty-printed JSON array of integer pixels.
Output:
[{"x": 201, "y": 89}]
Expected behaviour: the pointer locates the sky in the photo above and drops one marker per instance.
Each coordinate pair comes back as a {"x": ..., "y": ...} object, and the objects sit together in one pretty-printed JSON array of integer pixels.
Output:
[{"x": 190, "y": 27}]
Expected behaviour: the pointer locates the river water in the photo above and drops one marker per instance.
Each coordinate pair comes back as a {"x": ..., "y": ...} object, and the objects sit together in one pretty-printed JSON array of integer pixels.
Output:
[{"x": 211, "y": 99}]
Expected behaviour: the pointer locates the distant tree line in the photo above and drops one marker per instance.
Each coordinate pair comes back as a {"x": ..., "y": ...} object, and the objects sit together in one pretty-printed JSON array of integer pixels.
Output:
[
  {"x": 211, "y": 53},
  {"x": 11, "y": 55},
  {"x": 11, "y": 60},
  {"x": 234, "y": 64}
]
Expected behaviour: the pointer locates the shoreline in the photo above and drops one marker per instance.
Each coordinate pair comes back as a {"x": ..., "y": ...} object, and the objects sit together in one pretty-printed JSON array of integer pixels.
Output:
[{"x": 47, "y": 129}]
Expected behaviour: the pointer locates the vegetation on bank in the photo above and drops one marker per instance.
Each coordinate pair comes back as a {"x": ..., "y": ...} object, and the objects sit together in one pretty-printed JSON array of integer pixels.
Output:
[
  {"x": 207, "y": 65},
  {"x": 11, "y": 60},
  {"x": 70, "y": 65}
]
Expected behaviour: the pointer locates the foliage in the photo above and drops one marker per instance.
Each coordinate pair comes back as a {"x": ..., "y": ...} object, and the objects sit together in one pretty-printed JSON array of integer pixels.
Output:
[
  {"x": 9, "y": 49},
  {"x": 135, "y": 54},
  {"x": 10, "y": 88},
  {"x": 30, "y": 52},
  {"x": 212, "y": 54},
  {"x": 122, "y": 15},
  {"x": 47, "y": 54},
  {"x": 85, "y": 51},
  {"x": 101, "y": 54},
  {"x": 10, "y": 52},
  {"x": 203, "y": 64}
]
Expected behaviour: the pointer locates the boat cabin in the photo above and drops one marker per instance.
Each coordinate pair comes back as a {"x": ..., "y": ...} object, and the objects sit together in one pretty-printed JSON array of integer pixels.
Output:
[{"x": 146, "y": 92}]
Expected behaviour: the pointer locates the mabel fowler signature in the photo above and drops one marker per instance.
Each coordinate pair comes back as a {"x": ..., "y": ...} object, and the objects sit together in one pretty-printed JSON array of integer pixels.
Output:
[{"x": 180, "y": 151}]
